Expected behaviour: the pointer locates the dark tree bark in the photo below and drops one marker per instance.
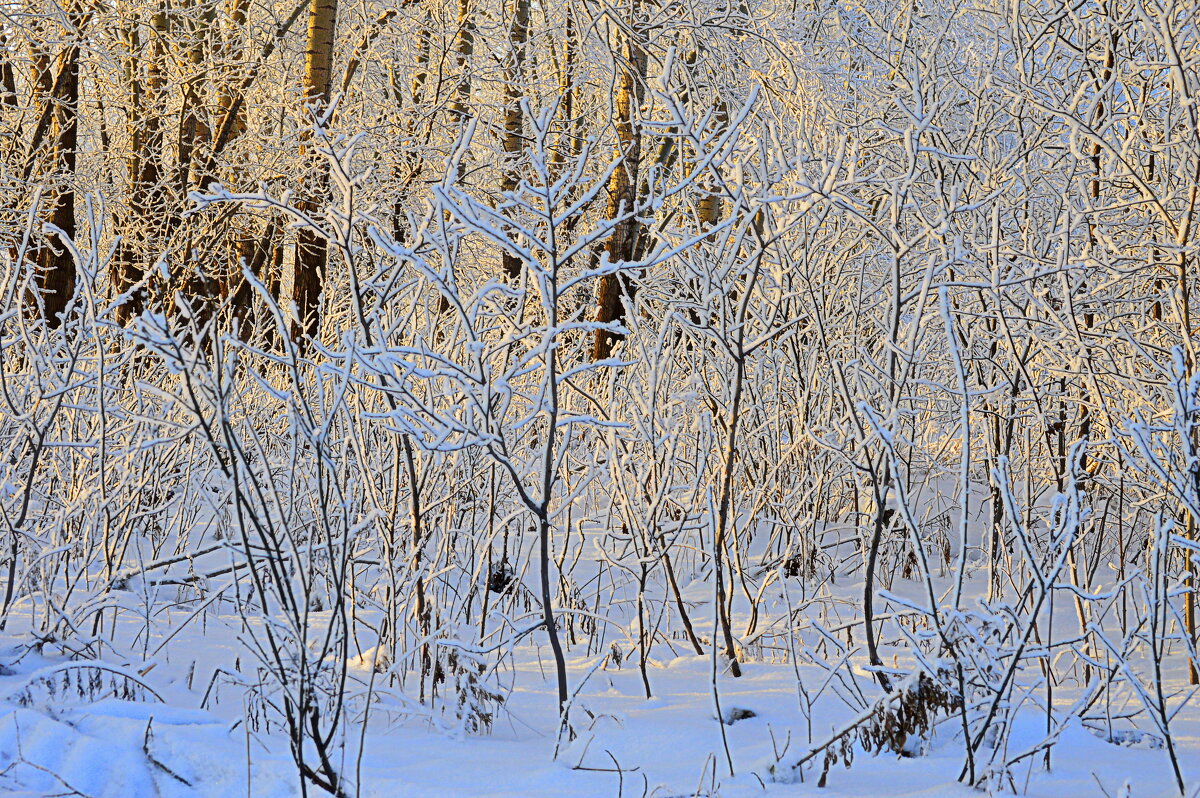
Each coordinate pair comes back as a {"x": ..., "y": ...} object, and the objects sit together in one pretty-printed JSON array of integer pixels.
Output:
[
  {"x": 59, "y": 130},
  {"x": 147, "y": 203}
]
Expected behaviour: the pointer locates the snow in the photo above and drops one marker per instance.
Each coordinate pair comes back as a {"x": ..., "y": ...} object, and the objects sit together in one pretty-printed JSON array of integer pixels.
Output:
[{"x": 667, "y": 745}]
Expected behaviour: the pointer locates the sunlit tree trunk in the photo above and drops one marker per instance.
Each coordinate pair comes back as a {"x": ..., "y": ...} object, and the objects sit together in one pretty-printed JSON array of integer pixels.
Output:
[
  {"x": 464, "y": 50},
  {"x": 206, "y": 259},
  {"x": 309, "y": 271},
  {"x": 569, "y": 139},
  {"x": 8, "y": 77},
  {"x": 514, "y": 121},
  {"x": 194, "y": 134},
  {"x": 230, "y": 97},
  {"x": 623, "y": 244},
  {"x": 252, "y": 243}
]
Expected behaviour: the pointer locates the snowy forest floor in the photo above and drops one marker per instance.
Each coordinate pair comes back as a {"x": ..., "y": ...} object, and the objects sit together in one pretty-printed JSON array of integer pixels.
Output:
[{"x": 84, "y": 741}]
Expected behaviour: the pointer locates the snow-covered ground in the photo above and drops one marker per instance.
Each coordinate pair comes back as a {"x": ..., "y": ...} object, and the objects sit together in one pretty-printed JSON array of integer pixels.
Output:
[{"x": 113, "y": 737}]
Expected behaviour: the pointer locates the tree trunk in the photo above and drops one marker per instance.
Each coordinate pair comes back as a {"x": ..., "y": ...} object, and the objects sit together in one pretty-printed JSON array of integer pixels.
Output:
[
  {"x": 465, "y": 48},
  {"x": 514, "y": 120},
  {"x": 251, "y": 242},
  {"x": 623, "y": 244},
  {"x": 407, "y": 170},
  {"x": 308, "y": 274},
  {"x": 8, "y": 78},
  {"x": 208, "y": 263},
  {"x": 146, "y": 200},
  {"x": 55, "y": 268}
]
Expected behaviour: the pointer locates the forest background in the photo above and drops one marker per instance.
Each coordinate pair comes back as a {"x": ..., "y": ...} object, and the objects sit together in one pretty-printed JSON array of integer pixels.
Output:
[{"x": 853, "y": 342}]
